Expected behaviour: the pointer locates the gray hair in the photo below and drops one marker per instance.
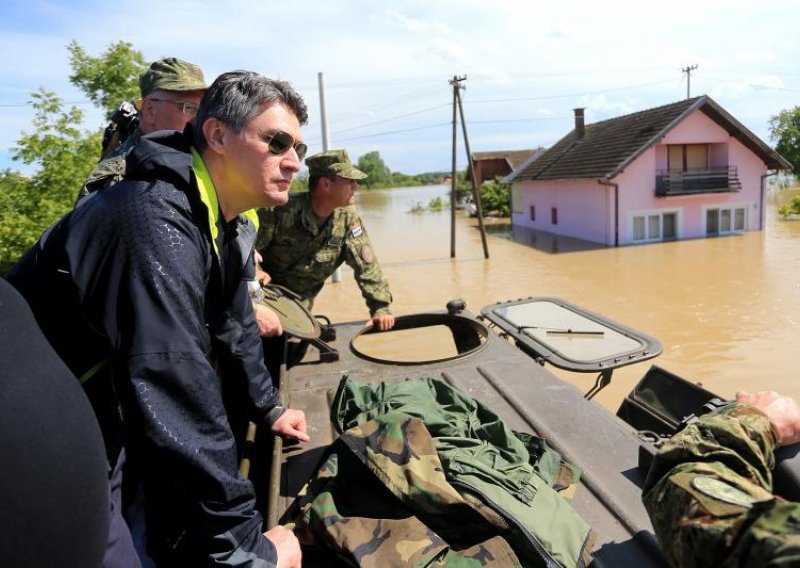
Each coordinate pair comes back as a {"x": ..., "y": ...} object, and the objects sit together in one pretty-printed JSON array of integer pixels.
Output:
[{"x": 236, "y": 97}]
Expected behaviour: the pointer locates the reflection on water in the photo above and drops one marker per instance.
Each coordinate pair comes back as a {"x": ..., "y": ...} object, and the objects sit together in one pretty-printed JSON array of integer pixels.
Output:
[
  {"x": 541, "y": 240},
  {"x": 726, "y": 309}
]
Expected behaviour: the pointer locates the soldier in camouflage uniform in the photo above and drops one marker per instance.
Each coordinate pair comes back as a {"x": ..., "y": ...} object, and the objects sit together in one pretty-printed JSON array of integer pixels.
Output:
[
  {"x": 708, "y": 492},
  {"x": 171, "y": 92},
  {"x": 303, "y": 242}
]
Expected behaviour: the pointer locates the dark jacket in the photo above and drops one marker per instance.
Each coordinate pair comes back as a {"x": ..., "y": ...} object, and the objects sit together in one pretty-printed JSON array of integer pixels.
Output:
[{"x": 134, "y": 277}]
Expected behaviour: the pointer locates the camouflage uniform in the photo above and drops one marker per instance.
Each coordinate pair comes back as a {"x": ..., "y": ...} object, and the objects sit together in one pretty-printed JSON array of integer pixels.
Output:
[
  {"x": 425, "y": 475},
  {"x": 708, "y": 494},
  {"x": 110, "y": 170},
  {"x": 169, "y": 74},
  {"x": 300, "y": 255}
]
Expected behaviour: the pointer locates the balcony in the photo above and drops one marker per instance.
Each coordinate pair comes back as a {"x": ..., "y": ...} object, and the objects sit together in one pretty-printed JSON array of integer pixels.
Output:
[{"x": 690, "y": 182}]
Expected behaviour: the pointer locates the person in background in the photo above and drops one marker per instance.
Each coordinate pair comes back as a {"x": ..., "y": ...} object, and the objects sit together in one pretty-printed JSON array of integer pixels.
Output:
[
  {"x": 140, "y": 290},
  {"x": 303, "y": 242},
  {"x": 171, "y": 90},
  {"x": 709, "y": 489}
]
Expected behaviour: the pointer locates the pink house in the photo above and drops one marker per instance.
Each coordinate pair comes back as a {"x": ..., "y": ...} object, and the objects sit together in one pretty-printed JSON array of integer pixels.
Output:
[{"x": 679, "y": 171}]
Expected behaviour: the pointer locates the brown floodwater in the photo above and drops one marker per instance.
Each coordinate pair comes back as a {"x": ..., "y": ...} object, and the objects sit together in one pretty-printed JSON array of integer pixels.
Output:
[{"x": 727, "y": 309}]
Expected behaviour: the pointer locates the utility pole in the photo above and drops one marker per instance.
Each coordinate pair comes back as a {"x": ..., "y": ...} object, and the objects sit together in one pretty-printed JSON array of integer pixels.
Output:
[
  {"x": 453, "y": 176},
  {"x": 688, "y": 70},
  {"x": 322, "y": 112},
  {"x": 337, "y": 274},
  {"x": 476, "y": 194}
]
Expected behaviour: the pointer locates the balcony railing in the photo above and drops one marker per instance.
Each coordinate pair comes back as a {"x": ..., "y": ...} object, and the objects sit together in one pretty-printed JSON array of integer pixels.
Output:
[{"x": 676, "y": 182}]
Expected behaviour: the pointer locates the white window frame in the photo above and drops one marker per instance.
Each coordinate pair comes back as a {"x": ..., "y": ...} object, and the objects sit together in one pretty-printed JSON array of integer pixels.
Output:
[
  {"x": 732, "y": 208},
  {"x": 646, "y": 219}
]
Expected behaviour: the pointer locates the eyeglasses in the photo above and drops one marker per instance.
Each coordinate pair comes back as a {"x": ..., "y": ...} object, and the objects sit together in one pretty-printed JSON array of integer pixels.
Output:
[
  {"x": 187, "y": 108},
  {"x": 279, "y": 142}
]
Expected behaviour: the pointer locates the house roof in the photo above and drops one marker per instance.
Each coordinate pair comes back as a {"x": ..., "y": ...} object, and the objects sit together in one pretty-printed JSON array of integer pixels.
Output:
[
  {"x": 609, "y": 146},
  {"x": 513, "y": 157}
]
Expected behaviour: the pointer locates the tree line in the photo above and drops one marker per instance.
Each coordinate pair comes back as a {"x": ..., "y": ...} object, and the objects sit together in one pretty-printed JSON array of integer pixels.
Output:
[{"x": 62, "y": 152}]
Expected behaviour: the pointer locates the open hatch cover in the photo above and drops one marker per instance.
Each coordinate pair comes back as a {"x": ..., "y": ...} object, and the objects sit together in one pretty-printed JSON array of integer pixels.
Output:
[{"x": 569, "y": 336}]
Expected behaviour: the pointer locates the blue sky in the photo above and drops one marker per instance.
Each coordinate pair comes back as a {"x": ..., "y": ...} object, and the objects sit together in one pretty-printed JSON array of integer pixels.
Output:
[{"x": 386, "y": 65}]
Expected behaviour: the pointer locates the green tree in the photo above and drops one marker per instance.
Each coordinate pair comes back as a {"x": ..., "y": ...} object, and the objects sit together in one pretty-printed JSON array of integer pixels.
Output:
[
  {"x": 109, "y": 79},
  {"x": 790, "y": 209},
  {"x": 495, "y": 198},
  {"x": 62, "y": 151},
  {"x": 785, "y": 129},
  {"x": 373, "y": 165}
]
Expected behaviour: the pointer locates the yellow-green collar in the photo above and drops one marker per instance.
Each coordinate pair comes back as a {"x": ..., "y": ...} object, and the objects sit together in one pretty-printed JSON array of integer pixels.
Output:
[{"x": 208, "y": 195}]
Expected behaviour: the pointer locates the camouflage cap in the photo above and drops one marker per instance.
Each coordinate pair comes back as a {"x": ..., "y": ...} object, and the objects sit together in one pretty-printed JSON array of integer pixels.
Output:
[
  {"x": 333, "y": 162},
  {"x": 171, "y": 74}
]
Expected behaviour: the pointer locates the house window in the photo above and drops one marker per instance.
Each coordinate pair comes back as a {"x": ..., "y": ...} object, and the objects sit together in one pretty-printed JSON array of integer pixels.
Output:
[
  {"x": 554, "y": 215},
  {"x": 723, "y": 220},
  {"x": 687, "y": 157},
  {"x": 533, "y": 212},
  {"x": 655, "y": 226}
]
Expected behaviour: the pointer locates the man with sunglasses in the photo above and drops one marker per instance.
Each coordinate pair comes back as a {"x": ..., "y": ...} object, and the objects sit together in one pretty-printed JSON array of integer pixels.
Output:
[
  {"x": 302, "y": 243},
  {"x": 139, "y": 289},
  {"x": 171, "y": 91}
]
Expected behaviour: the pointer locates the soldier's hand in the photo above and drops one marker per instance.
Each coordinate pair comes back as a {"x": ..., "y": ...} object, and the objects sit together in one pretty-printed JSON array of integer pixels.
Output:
[
  {"x": 383, "y": 322},
  {"x": 291, "y": 424},
  {"x": 782, "y": 410},
  {"x": 268, "y": 323},
  {"x": 286, "y": 545}
]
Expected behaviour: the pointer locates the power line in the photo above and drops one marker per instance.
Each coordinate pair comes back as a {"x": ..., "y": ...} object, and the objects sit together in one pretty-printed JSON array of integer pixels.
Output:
[
  {"x": 752, "y": 85},
  {"x": 405, "y": 98},
  {"x": 394, "y": 117},
  {"x": 375, "y": 135},
  {"x": 548, "y": 97}
]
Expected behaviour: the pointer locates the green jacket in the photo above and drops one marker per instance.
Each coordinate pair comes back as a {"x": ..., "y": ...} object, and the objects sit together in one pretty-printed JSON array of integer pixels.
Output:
[
  {"x": 460, "y": 480},
  {"x": 300, "y": 255},
  {"x": 708, "y": 494}
]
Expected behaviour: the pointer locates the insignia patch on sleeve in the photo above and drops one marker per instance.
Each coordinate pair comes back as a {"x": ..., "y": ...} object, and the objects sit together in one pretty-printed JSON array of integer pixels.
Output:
[
  {"x": 356, "y": 231},
  {"x": 722, "y": 491},
  {"x": 367, "y": 255}
]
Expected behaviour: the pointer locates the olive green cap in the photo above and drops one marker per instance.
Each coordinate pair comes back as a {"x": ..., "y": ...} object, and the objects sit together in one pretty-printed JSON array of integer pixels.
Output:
[
  {"x": 171, "y": 74},
  {"x": 333, "y": 163}
]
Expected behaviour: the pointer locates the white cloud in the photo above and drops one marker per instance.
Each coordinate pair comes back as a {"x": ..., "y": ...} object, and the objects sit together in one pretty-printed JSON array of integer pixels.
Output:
[
  {"x": 536, "y": 60},
  {"x": 417, "y": 25}
]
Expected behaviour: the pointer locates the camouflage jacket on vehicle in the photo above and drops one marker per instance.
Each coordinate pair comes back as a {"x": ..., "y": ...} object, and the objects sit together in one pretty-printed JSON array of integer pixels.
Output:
[
  {"x": 708, "y": 494},
  {"x": 300, "y": 255},
  {"x": 424, "y": 475}
]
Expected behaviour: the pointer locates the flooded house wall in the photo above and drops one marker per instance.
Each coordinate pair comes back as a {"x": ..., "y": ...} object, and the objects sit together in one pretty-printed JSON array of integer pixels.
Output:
[
  {"x": 582, "y": 208},
  {"x": 586, "y": 208},
  {"x": 637, "y": 194}
]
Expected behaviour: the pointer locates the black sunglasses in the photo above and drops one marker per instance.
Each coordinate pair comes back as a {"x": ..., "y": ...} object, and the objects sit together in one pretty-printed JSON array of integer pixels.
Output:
[{"x": 280, "y": 142}]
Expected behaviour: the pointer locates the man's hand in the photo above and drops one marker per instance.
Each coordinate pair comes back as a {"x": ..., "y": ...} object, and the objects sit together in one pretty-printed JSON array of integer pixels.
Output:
[
  {"x": 782, "y": 410},
  {"x": 262, "y": 277},
  {"x": 286, "y": 545},
  {"x": 383, "y": 322},
  {"x": 291, "y": 424},
  {"x": 268, "y": 323}
]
